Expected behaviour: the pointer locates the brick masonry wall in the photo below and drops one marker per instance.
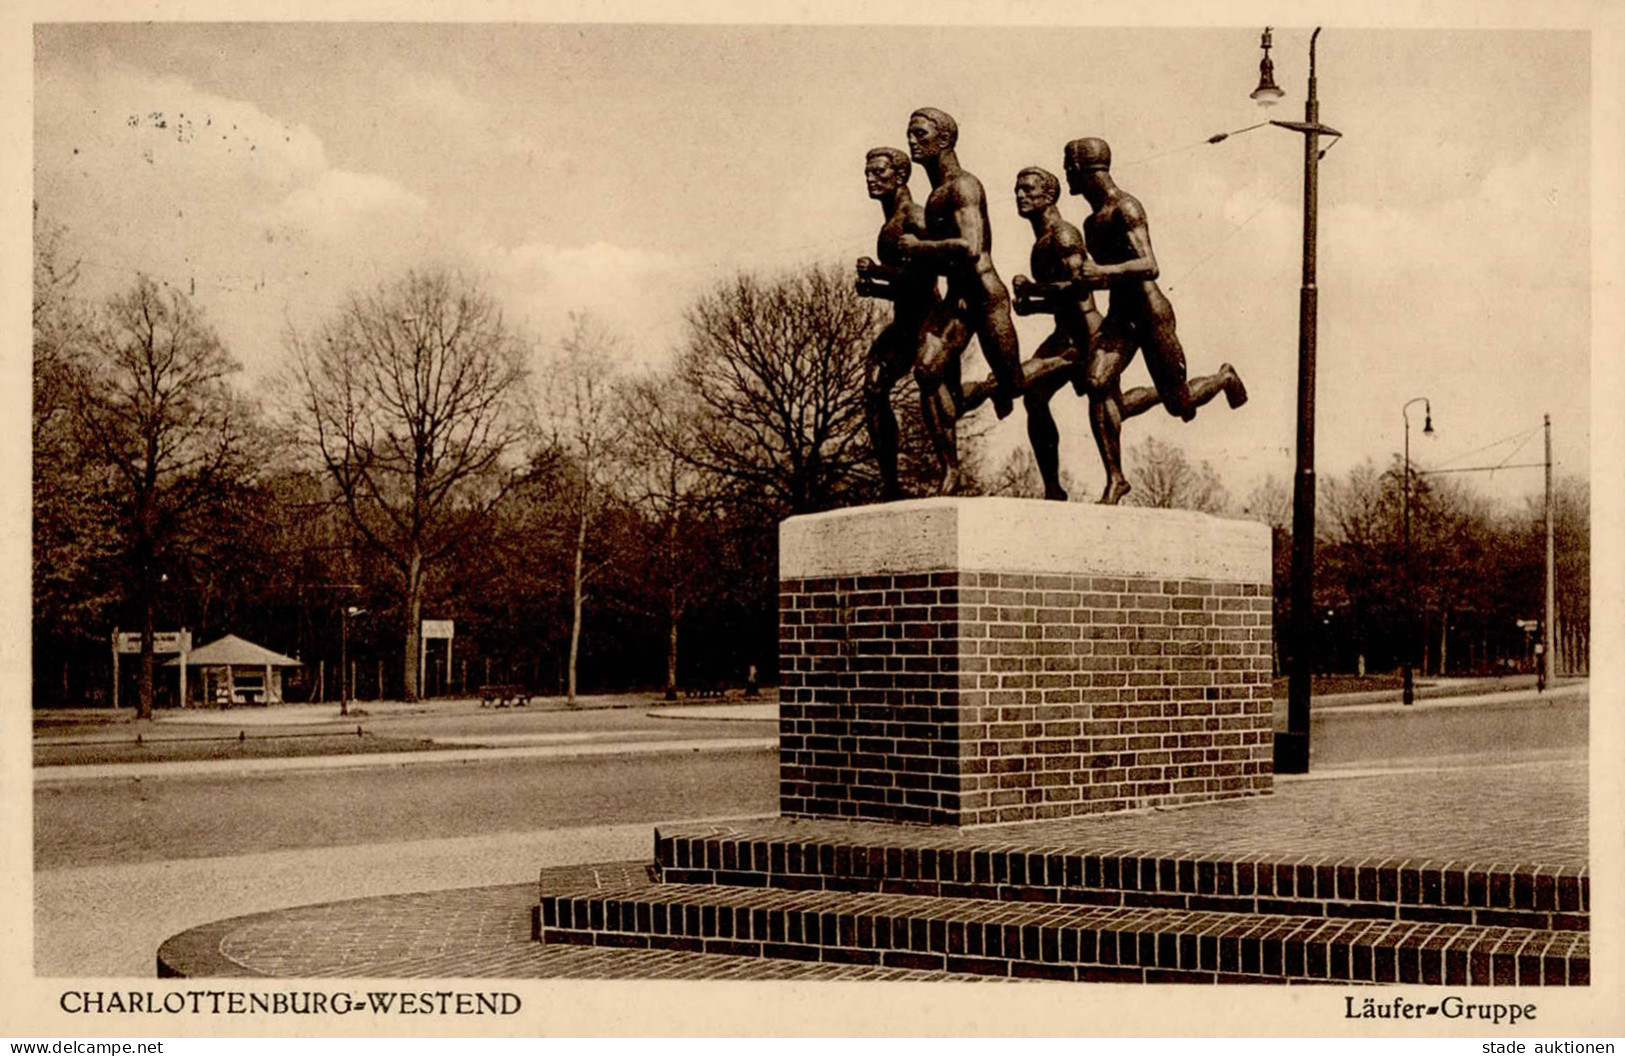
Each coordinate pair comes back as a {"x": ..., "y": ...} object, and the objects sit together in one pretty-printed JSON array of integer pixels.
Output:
[
  {"x": 869, "y": 720},
  {"x": 972, "y": 697}
]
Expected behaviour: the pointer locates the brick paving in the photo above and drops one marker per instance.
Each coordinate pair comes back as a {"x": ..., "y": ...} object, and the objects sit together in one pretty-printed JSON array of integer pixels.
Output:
[
  {"x": 1524, "y": 814},
  {"x": 471, "y": 933},
  {"x": 983, "y": 936},
  {"x": 1528, "y": 814}
]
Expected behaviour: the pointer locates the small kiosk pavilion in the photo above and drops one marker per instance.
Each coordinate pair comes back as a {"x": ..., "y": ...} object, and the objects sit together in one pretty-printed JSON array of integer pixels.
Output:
[{"x": 236, "y": 671}]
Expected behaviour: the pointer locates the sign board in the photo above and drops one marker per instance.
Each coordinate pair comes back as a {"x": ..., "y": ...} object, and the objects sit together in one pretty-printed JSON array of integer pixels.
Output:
[
  {"x": 162, "y": 641},
  {"x": 1529, "y": 625},
  {"x": 434, "y": 629}
]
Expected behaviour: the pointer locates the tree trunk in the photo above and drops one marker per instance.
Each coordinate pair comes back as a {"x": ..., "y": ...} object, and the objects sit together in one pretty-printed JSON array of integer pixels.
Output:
[
  {"x": 575, "y": 611},
  {"x": 143, "y": 557},
  {"x": 1425, "y": 643},
  {"x": 1444, "y": 639},
  {"x": 671, "y": 649},
  {"x": 672, "y": 611},
  {"x": 414, "y": 625},
  {"x": 144, "y": 710}
]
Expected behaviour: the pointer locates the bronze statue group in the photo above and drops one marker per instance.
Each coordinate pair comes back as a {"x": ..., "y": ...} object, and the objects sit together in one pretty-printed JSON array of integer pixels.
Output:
[{"x": 951, "y": 237}]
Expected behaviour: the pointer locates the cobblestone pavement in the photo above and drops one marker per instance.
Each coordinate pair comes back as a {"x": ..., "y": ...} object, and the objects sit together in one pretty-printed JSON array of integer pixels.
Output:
[{"x": 1531, "y": 813}]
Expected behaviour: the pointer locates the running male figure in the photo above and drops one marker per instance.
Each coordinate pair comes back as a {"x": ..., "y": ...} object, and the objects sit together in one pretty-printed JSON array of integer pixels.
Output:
[
  {"x": 913, "y": 293},
  {"x": 958, "y": 244},
  {"x": 1057, "y": 259},
  {"x": 1139, "y": 316}
]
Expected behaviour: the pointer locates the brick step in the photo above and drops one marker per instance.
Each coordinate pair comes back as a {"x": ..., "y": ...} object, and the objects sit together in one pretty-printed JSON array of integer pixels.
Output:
[
  {"x": 1049, "y": 940},
  {"x": 1020, "y": 867}
]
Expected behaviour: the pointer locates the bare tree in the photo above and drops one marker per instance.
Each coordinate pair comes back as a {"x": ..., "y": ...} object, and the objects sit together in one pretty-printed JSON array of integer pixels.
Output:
[
  {"x": 776, "y": 368},
  {"x": 76, "y": 528},
  {"x": 1017, "y": 476},
  {"x": 152, "y": 404},
  {"x": 413, "y": 398},
  {"x": 678, "y": 499},
  {"x": 1363, "y": 509},
  {"x": 1571, "y": 515},
  {"x": 1270, "y": 503},
  {"x": 580, "y": 397},
  {"x": 59, "y": 331},
  {"x": 1164, "y": 478}
]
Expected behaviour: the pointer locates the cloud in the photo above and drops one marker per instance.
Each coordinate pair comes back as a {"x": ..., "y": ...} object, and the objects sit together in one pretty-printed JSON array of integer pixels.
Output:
[
  {"x": 595, "y": 262},
  {"x": 641, "y": 292},
  {"x": 549, "y": 161},
  {"x": 102, "y": 119},
  {"x": 214, "y": 195},
  {"x": 1479, "y": 248},
  {"x": 337, "y": 199},
  {"x": 439, "y": 98}
]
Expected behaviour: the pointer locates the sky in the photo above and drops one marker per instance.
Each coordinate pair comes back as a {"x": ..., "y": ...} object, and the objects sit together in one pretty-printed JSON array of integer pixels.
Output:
[{"x": 624, "y": 170}]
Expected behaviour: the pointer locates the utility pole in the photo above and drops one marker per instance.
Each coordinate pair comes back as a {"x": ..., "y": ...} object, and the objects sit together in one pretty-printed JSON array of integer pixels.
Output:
[
  {"x": 1546, "y": 669},
  {"x": 1545, "y": 666}
]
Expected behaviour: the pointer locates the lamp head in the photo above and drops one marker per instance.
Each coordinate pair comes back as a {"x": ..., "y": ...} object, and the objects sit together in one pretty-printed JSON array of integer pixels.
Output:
[{"x": 1266, "y": 94}]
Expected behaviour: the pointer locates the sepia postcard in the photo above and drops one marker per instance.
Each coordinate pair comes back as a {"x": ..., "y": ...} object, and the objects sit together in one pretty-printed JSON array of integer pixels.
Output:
[{"x": 534, "y": 520}]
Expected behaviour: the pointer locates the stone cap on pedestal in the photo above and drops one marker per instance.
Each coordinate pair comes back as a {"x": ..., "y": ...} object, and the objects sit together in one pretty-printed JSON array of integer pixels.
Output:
[{"x": 1016, "y": 535}]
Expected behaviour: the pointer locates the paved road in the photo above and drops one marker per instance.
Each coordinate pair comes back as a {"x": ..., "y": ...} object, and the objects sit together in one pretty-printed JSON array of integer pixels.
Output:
[
  {"x": 144, "y": 815},
  {"x": 122, "y": 864},
  {"x": 1500, "y": 726},
  {"x": 147, "y": 819}
]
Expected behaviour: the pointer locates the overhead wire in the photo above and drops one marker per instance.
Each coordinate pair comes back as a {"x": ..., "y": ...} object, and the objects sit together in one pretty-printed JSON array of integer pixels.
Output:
[{"x": 1522, "y": 437}]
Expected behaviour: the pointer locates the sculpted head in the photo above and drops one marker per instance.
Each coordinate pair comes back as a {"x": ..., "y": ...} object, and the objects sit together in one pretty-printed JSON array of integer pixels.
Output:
[
  {"x": 885, "y": 169},
  {"x": 1036, "y": 190},
  {"x": 930, "y": 132},
  {"x": 1085, "y": 156}
]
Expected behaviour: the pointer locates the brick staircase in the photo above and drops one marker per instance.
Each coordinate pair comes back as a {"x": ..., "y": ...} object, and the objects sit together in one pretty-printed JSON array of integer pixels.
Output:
[{"x": 1004, "y": 902}]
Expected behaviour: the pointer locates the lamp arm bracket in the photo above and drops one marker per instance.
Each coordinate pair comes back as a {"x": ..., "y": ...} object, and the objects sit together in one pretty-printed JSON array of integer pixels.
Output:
[{"x": 1302, "y": 126}]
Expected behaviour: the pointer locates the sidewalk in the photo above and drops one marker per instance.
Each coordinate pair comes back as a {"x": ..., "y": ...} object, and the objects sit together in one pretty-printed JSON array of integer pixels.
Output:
[
  {"x": 653, "y": 707},
  {"x": 537, "y": 746},
  {"x": 661, "y": 729},
  {"x": 1529, "y": 813},
  {"x": 1436, "y": 690},
  {"x": 362, "y": 711}
]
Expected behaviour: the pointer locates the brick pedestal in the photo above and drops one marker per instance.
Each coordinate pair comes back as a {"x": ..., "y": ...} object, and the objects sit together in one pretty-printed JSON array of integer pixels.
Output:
[{"x": 977, "y": 661}]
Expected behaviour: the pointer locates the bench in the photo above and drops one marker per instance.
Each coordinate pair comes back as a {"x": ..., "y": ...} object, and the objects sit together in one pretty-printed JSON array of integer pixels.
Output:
[
  {"x": 503, "y": 694},
  {"x": 705, "y": 691}
]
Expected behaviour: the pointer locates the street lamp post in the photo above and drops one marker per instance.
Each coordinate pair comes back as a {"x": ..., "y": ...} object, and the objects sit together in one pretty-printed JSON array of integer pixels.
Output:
[
  {"x": 1292, "y": 746},
  {"x": 1409, "y": 691},
  {"x": 344, "y": 657},
  {"x": 344, "y": 660}
]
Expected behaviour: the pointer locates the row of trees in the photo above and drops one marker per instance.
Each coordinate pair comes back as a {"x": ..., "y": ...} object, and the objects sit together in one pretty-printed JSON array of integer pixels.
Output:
[
  {"x": 1475, "y": 578},
  {"x": 420, "y": 457},
  {"x": 584, "y": 524}
]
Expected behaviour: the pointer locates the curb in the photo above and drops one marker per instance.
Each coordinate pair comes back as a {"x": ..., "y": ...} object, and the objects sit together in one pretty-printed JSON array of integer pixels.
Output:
[{"x": 48, "y": 775}]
